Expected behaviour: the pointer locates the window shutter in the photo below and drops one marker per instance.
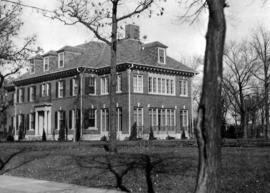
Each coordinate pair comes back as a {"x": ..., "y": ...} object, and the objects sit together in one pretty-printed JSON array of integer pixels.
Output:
[
  {"x": 50, "y": 89},
  {"x": 71, "y": 87},
  {"x": 18, "y": 96},
  {"x": 23, "y": 122},
  {"x": 56, "y": 120},
  {"x": 22, "y": 94},
  {"x": 34, "y": 120},
  {"x": 79, "y": 86},
  {"x": 56, "y": 89},
  {"x": 87, "y": 82},
  {"x": 35, "y": 92},
  {"x": 70, "y": 119},
  {"x": 27, "y": 121},
  {"x": 40, "y": 90},
  {"x": 28, "y": 94},
  {"x": 64, "y": 88},
  {"x": 65, "y": 120}
]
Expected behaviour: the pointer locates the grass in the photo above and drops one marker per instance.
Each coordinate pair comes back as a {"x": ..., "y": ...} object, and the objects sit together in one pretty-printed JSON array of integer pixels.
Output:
[{"x": 167, "y": 167}]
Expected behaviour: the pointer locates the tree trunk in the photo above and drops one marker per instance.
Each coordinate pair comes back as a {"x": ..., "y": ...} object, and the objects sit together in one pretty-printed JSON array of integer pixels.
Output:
[
  {"x": 266, "y": 105},
  {"x": 209, "y": 112},
  {"x": 113, "y": 130}
]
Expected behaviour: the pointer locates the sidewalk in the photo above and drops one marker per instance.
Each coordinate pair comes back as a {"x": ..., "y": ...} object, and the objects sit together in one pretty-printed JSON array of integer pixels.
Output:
[{"x": 10, "y": 184}]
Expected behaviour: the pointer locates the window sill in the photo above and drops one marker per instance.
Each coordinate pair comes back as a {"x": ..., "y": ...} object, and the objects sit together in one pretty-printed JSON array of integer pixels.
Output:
[
  {"x": 104, "y": 94},
  {"x": 183, "y": 95},
  {"x": 118, "y": 92},
  {"x": 137, "y": 91},
  {"x": 92, "y": 94},
  {"x": 92, "y": 128}
]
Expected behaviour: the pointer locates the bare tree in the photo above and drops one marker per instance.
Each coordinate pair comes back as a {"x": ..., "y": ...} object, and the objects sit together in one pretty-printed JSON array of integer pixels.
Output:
[
  {"x": 209, "y": 112},
  {"x": 261, "y": 45},
  {"x": 98, "y": 17},
  {"x": 240, "y": 65},
  {"x": 11, "y": 56}
]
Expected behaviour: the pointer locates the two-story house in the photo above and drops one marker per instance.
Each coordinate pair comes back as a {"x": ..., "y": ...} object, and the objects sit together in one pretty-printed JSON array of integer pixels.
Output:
[{"x": 70, "y": 87}]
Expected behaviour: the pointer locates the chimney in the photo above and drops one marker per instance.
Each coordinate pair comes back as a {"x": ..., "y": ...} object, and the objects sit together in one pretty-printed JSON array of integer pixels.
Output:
[{"x": 132, "y": 32}]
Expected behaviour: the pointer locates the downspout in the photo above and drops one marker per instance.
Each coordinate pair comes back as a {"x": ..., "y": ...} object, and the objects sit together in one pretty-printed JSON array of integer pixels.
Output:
[
  {"x": 15, "y": 111},
  {"x": 191, "y": 108},
  {"x": 81, "y": 98},
  {"x": 129, "y": 98}
]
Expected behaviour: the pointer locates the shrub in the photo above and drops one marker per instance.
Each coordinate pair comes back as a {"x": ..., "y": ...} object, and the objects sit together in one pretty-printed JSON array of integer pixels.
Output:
[
  {"x": 10, "y": 138},
  {"x": 21, "y": 133},
  {"x": 170, "y": 138},
  {"x": 78, "y": 131},
  {"x": 133, "y": 133},
  {"x": 183, "y": 136},
  {"x": 44, "y": 136},
  {"x": 103, "y": 138},
  {"x": 151, "y": 134}
]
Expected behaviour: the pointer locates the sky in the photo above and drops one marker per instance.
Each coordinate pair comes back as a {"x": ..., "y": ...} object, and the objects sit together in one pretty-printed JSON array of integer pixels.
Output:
[{"x": 184, "y": 40}]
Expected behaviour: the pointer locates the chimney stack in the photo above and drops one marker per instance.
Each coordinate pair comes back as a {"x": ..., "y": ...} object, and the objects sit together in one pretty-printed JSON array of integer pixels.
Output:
[{"x": 132, "y": 32}]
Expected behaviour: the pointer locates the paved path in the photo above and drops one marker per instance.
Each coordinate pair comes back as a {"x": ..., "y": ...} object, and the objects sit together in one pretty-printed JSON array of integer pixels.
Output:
[{"x": 10, "y": 184}]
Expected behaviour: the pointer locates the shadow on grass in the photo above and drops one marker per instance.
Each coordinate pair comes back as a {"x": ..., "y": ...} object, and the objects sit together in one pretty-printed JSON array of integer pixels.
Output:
[
  {"x": 8, "y": 161},
  {"x": 125, "y": 169}
]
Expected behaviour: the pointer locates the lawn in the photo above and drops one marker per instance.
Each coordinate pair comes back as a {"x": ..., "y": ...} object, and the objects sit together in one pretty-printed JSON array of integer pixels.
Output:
[{"x": 138, "y": 166}]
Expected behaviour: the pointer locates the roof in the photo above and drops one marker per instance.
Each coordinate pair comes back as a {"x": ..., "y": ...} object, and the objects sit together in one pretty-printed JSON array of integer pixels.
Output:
[
  {"x": 70, "y": 49},
  {"x": 96, "y": 55},
  {"x": 51, "y": 52}
]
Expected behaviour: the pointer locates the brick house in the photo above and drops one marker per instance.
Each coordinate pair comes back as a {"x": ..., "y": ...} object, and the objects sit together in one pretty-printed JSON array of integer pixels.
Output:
[{"x": 70, "y": 87}]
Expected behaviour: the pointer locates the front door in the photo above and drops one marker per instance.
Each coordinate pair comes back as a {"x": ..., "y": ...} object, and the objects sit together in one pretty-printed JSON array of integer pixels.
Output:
[{"x": 41, "y": 122}]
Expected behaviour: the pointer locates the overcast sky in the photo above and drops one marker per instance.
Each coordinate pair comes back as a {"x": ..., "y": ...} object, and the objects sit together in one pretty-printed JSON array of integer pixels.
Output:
[{"x": 183, "y": 40}]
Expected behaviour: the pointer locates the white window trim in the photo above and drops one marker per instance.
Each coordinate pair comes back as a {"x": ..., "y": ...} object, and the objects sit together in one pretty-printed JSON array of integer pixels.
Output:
[
  {"x": 73, "y": 86},
  {"x": 43, "y": 90},
  {"x": 32, "y": 66},
  {"x": 184, "y": 111},
  {"x": 60, "y": 96},
  {"x": 20, "y": 95},
  {"x": 164, "y": 51},
  {"x": 73, "y": 119},
  {"x": 103, "y": 130},
  {"x": 59, "y": 58},
  {"x": 184, "y": 82},
  {"x": 137, "y": 110},
  {"x": 138, "y": 88},
  {"x": 95, "y": 127},
  {"x": 119, "y": 120},
  {"x": 95, "y": 89},
  {"x": 31, "y": 99},
  {"x": 161, "y": 77},
  {"x": 30, "y": 119},
  {"x": 58, "y": 120},
  {"x": 44, "y": 62},
  {"x": 106, "y": 82}
]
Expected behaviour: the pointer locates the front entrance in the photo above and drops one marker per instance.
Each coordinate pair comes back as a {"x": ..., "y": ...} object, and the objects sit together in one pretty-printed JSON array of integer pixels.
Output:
[{"x": 43, "y": 120}]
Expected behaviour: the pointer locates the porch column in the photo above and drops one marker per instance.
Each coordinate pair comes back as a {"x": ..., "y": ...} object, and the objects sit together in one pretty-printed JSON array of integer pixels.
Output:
[
  {"x": 49, "y": 122},
  {"x": 36, "y": 123},
  {"x": 45, "y": 122}
]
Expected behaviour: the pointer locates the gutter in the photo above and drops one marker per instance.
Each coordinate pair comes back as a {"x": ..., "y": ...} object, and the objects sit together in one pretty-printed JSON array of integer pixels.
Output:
[{"x": 129, "y": 98}]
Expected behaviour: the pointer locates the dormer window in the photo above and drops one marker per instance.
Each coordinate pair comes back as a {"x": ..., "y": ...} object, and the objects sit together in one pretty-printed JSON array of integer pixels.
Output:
[
  {"x": 161, "y": 56},
  {"x": 46, "y": 64},
  {"x": 61, "y": 60},
  {"x": 32, "y": 66}
]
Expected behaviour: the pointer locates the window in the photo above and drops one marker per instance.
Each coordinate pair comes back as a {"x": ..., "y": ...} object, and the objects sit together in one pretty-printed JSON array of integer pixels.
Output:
[
  {"x": 92, "y": 85},
  {"x": 162, "y": 119},
  {"x": 32, "y": 66},
  {"x": 32, "y": 93},
  {"x": 119, "y": 118},
  {"x": 161, "y": 56},
  {"x": 60, "y": 89},
  {"x": 61, "y": 60},
  {"x": 43, "y": 90},
  {"x": 21, "y": 95},
  {"x": 150, "y": 84},
  {"x": 91, "y": 121},
  {"x": 138, "y": 83},
  {"x": 161, "y": 84},
  {"x": 61, "y": 119},
  {"x": 104, "y": 115},
  {"x": 183, "y": 84},
  {"x": 75, "y": 87},
  {"x": 46, "y": 64},
  {"x": 104, "y": 85},
  {"x": 183, "y": 118},
  {"x": 138, "y": 116},
  {"x": 119, "y": 83},
  {"x": 32, "y": 121}
]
